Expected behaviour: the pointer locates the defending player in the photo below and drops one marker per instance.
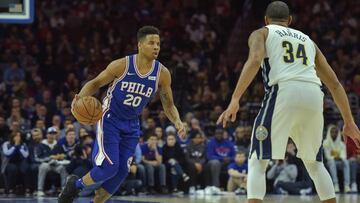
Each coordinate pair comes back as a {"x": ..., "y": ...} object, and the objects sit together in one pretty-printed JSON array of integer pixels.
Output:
[
  {"x": 293, "y": 104},
  {"x": 135, "y": 79}
]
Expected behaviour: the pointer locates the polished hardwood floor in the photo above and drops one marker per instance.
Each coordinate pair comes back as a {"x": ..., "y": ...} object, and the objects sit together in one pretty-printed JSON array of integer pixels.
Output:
[{"x": 228, "y": 198}]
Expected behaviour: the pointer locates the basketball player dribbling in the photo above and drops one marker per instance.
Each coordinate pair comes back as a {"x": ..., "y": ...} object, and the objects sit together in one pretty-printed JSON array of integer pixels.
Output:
[
  {"x": 292, "y": 67},
  {"x": 135, "y": 79}
]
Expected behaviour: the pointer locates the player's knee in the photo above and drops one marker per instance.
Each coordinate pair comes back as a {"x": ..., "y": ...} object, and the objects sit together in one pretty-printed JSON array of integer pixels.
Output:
[
  {"x": 112, "y": 170},
  {"x": 313, "y": 167}
]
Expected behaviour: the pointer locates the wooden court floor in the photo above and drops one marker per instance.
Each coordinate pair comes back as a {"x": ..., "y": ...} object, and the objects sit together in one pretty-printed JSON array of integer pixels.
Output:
[
  {"x": 193, "y": 199},
  {"x": 237, "y": 199}
]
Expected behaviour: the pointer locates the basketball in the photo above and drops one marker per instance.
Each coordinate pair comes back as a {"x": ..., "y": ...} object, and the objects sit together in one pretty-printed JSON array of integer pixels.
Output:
[{"x": 87, "y": 110}]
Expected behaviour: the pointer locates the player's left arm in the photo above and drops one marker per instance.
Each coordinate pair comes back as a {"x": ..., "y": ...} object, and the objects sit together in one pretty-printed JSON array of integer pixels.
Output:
[
  {"x": 167, "y": 100},
  {"x": 251, "y": 67}
]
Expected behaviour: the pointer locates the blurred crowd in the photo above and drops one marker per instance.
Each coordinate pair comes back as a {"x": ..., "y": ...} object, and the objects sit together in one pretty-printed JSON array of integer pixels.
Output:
[{"x": 44, "y": 64}]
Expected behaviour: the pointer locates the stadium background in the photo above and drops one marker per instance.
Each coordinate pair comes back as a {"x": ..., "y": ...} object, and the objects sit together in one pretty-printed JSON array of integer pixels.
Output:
[{"x": 203, "y": 43}]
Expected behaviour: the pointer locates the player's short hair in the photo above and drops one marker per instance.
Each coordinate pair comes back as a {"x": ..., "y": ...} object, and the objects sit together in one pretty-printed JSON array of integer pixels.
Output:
[
  {"x": 278, "y": 10},
  {"x": 147, "y": 30}
]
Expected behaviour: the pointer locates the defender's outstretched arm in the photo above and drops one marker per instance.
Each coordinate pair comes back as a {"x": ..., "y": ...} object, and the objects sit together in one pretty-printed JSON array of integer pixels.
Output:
[
  {"x": 250, "y": 69},
  {"x": 327, "y": 75}
]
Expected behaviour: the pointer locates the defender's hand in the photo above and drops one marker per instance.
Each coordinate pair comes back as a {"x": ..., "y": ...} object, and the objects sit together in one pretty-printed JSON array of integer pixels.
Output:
[
  {"x": 352, "y": 131},
  {"x": 181, "y": 129},
  {"x": 230, "y": 112}
]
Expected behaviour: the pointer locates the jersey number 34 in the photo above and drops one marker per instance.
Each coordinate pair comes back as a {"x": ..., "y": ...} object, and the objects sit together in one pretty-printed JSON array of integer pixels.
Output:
[{"x": 300, "y": 53}]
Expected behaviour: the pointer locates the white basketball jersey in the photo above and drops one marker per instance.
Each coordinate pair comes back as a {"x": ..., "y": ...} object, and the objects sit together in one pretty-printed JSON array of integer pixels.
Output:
[{"x": 290, "y": 55}]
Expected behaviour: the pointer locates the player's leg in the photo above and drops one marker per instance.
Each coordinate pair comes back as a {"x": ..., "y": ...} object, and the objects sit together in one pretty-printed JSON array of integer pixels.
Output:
[
  {"x": 108, "y": 168},
  {"x": 106, "y": 161},
  {"x": 256, "y": 184},
  {"x": 316, "y": 169},
  {"x": 126, "y": 151},
  {"x": 268, "y": 141},
  {"x": 321, "y": 179},
  {"x": 308, "y": 140},
  {"x": 101, "y": 195}
]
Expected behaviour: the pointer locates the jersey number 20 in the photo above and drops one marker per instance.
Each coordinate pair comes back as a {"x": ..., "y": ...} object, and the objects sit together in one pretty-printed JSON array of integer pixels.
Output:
[
  {"x": 300, "y": 53},
  {"x": 132, "y": 100}
]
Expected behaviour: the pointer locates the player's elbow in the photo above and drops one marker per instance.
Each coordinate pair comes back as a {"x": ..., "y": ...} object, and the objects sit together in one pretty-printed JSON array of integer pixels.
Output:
[{"x": 333, "y": 84}]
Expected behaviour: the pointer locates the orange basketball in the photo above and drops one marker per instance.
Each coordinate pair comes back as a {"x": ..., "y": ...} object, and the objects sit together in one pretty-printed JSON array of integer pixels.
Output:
[{"x": 87, "y": 110}]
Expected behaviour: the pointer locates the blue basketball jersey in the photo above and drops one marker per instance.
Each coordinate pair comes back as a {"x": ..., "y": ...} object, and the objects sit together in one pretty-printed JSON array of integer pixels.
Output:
[{"x": 130, "y": 93}]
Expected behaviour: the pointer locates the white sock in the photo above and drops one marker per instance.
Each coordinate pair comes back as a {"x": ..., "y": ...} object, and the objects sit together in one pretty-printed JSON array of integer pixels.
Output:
[{"x": 256, "y": 183}]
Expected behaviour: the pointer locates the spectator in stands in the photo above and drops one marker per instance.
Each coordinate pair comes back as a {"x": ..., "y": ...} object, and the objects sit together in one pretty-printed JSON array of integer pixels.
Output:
[
  {"x": 50, "y": 138},
  {"x": 238, "y": 174},
  {"x": 131, "y": 185},
  {"x": 335, "y": 154},
  {"x": 56, "y": 121},
  {"x": 41, "y": 125},
  {"x": 242, "y": 140},
  {"x": 4, "y": 130},
  {"x": 282, "y": 172},
  {"x": 174, "y": 160},
  {"x": 151, "y": 125},
  {"x": 80, "y": 163},
  {"x": 14, "y": 163},
  {"x": 152, "y": 158},
  {"x": 182, "y": 142},
  {"x": 49, "y": 103},
  {"x": 59, "y": 158},
  {"x": 14, "y": 72},
  {"x": 195, "y": 157},
  {"x": 219, "y": 153},
  {"x": 67, "y": 124},
  {"x": 303, "y": 184},
  {"x": 16, "y": 116},
  {"x": 140, "y": 169},
  {"x": 163, "y": 120},
  {"x": 353, "y": 155},
  {"x": 161, "y": 138},
  {"x": 41, "y": 113},
  {"x": 62, "y": 140},
  {"x": 39, "y": 153}
]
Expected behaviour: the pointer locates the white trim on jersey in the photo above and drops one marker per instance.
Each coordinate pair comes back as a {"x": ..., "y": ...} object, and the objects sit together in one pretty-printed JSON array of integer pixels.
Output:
[
  {"x": 101, "y": 155},
  {"x": 158, "y": 77},
  {"x": 137, "y": 70},
  {"x": 267, "y": 106}
]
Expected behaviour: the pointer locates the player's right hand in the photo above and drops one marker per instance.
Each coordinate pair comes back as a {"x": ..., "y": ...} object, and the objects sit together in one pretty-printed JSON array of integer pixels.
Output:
[
  {"x": 76, "y": 98},
  {"x": 352, "y": 131},
  {"x": 181, "y": 129},
  {"x": 230, "y": 112}
]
